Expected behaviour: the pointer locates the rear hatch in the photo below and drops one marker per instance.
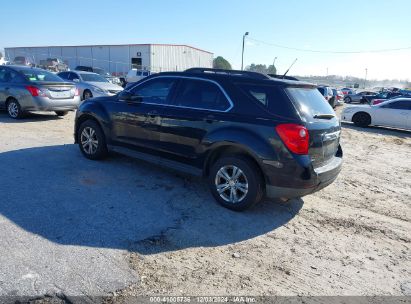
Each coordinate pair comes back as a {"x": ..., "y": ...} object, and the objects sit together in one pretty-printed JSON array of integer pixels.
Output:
[
  {"x": 321, "y": 122},
  {"x": 57, "y": 90}
]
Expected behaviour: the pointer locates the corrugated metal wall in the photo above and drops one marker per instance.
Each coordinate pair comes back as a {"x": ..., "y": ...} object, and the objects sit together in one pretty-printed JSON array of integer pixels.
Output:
[
  {"x": 117, "y": 58},
  {"x": 178, "y": 58}
]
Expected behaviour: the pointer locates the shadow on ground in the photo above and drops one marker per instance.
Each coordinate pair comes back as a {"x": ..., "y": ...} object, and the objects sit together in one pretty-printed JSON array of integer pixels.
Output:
[
  {"x": 29, "y": 117},
  {"x": 121, "y": 203},
  {"x": 379, "y": 130}
]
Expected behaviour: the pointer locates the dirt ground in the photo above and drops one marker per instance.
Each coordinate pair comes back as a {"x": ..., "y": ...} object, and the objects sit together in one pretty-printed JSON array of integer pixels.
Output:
[{"x": 352, "y": 238}]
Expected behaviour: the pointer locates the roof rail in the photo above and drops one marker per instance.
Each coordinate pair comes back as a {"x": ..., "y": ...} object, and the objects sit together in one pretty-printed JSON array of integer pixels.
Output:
[
  {"x": 283, "y": 77},
  {"x": 254, "y": 75}
]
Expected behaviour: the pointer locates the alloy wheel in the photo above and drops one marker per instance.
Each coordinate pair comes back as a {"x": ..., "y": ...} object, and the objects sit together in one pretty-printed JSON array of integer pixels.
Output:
[
  {"x": 231, "y": 184},
  {"x": 89, "y": 140},
  {"x": 13, "y": 109}
]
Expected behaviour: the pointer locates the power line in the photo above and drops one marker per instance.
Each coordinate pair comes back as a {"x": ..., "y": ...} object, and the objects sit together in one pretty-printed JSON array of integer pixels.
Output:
[{"x": 329, "y": 52}]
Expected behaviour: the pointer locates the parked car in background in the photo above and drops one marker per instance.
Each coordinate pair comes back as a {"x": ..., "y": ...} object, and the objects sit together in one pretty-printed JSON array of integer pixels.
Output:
[
  {"x": 53, "y": 64},
  {"x": 360, "y": 97},
  {"x": 327, "y": 92},
  {"x": 135, "y": 75},
  {"x": 100, "y": 71},
  {"x": 249, "y": 134},
  {"x": 21, "y": 60},
  {"x": 391, "y": 113},
  {"x": 347, "y": 91},
  {"x": 3, "y": 61},
  {"x": 338, "y": 96},
  {"x": 91, "y": 84},
  {"x": 382, "y": 96},
  {"x": 25, "y": 89}
]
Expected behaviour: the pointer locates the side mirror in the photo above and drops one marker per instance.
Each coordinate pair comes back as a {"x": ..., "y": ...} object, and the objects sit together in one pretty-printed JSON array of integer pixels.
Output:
[
  {"x": 76, "y": 80},
  {"x": 129, "y": 97}
]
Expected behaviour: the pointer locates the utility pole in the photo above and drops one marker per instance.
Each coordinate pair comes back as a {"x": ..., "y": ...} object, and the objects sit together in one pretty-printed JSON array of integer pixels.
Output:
[
  {"x": 365, "y": 79},
  {"x": 327, "y": 72},
  {"x": 242, "y": 54}
]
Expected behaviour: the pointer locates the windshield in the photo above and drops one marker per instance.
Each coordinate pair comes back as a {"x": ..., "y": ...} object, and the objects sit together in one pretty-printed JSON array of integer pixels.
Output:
[
  {"x": 310, "y": 102},
  {"x": 40, "y": 75},
  {"x": 100, "y": 72},
  {"x": 93, "y": 78}
]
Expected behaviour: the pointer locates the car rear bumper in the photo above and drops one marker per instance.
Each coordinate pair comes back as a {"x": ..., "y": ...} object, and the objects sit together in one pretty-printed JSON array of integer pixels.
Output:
[
  {"x": 47, "y": 104},
  {"x": 319, "y": 178}
]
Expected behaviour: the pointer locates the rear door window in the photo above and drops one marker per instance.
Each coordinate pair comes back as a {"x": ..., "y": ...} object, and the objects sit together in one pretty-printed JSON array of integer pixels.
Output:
[
  {"x": 310, "y": 102},
  {"x": 200, "y": 94},
  {"x": 272, "y": 97}
]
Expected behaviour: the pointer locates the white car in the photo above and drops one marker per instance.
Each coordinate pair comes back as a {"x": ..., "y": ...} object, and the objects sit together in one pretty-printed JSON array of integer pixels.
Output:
[
  {"x": 3, "y": 61},
  {"x": 391, "y": 113},
  {"x": 91, "y": 84},
  {"x": 135, "y": 75}
]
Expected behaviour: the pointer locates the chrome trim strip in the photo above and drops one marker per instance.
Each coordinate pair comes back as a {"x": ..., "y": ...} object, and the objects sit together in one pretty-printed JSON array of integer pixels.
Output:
[{"x": 183, "y": 107}]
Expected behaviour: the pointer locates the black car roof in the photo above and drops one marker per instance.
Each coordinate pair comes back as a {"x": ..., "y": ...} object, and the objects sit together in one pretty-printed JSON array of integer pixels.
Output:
[{"x": 241, "y": 76}]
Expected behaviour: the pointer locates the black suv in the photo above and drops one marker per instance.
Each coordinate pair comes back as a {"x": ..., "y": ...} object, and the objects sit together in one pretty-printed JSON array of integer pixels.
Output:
[{"x": 251, "y": 135}]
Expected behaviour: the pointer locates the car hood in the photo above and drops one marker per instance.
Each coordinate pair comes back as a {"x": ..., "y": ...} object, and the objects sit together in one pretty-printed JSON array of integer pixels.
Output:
[{"x": 106, "y": 85}]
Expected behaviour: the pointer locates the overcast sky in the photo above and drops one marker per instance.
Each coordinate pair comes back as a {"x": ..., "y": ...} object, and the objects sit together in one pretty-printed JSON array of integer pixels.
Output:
[{"x": 218, "y": 26}]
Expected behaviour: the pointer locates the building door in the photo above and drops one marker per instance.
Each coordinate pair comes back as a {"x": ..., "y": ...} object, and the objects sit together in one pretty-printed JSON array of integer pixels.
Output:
[{"x": 136, "y": 63}]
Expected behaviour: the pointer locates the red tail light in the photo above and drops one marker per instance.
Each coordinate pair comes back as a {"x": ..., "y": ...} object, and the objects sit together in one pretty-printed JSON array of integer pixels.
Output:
[
  {"x": 295, "y": 137},
  {"x": 377, "y": 101},
  {"x": 34, "y": 91}
]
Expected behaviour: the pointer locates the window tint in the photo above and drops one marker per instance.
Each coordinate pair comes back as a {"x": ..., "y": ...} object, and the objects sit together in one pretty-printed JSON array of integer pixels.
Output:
[
  {"x": 310, "y": 102},
  {"x": 3, "y": 75},
  {"x": 201, "y": 94},
  {"x": 63, "y": 75},
  {"x": 402, "y": 104},
  {"x": 73, "y": 76},
  {"x": 154, "y": 91},
  {"x": 272, "y": 97},
  {"x": 321, "y": 90}
]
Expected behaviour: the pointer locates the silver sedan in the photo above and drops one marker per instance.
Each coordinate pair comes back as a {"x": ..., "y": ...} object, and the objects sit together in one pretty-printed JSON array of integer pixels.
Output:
[
  {"x": 91, "y": 84},
  {"x": 25, "y": 89}
]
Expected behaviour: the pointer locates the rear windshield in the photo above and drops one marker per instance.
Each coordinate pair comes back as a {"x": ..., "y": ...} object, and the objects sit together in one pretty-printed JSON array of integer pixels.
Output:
[
  {"x": 40, "y": 75},
  {"x": 270, "y": 96},
  {"x": 310, "y": 102}
]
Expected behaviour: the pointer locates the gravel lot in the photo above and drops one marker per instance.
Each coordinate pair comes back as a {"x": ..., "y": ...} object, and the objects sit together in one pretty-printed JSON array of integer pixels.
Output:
[{"x": 123, "y": 227}]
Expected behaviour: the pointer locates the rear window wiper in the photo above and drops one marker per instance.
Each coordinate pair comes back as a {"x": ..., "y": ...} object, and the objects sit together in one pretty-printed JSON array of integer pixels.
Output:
[{"x": 324, "y": 116}]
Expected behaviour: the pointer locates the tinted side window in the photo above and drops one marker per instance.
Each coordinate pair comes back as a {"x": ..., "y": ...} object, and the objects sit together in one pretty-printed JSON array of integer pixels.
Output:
[
  {"x": 63, "y": 75},
  {"x": 272, "y": 97},
  {"x": 72, "y": 76},
  {"x": 154, "y": 91},
  {"x": 2, "y": 75},
  {"x": 201, "y": 94},
  {"x": 403, "y": 104},
  {"x": 321, "y": 90}
]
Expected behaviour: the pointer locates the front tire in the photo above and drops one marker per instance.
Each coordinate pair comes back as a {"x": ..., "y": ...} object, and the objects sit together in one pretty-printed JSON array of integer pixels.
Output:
[
  {"x": 61, "y": 113},
  {"x": 91, "y": 140},
  {"x": 236, "y": 183},
  {"x": 347, "y": 100},
  {"x": 14, "y": 109},
  {"x": 361, "y": 119}
]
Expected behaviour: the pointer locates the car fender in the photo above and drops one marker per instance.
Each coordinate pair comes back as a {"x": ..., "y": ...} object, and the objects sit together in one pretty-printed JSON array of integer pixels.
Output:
[
  {"x": 96, "y": 111},
  {"x": 251, "y": 142}
]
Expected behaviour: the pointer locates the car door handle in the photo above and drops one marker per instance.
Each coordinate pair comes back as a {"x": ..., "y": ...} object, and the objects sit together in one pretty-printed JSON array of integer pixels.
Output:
[{"x": 209, "y": 118}]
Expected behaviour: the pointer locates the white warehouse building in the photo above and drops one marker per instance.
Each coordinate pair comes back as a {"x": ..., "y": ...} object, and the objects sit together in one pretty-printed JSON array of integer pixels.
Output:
[{"x": 119, "y": 59}]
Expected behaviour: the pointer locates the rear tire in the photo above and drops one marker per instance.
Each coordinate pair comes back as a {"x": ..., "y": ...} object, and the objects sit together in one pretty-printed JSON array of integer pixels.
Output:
[
  {"x": 61, "y": 113},
  {"x": 14, "y": 109},
  {"x": 362, "y": 119},
  {"x": 91, "y": 140},
  {"x": 236, "y": 182},
  {"x": 347, "y": 100}
]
